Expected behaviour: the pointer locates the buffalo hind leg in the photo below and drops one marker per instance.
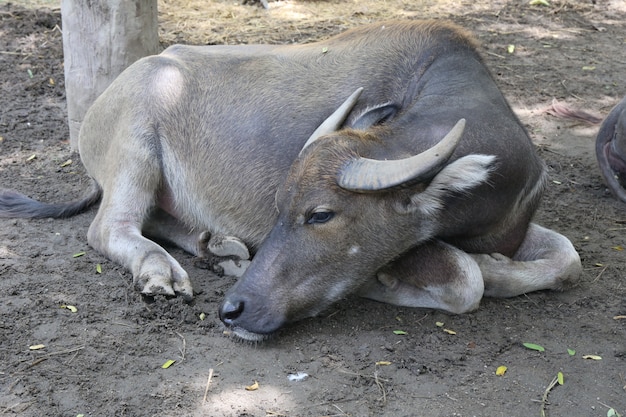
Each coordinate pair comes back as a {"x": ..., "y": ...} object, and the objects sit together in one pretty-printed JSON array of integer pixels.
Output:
[
  {"x": 116, "y": 232},
  {"x": 434, "y": 275},
  {"x": 163, "y": 227},
  {"x": 130, "y": 179},
  {"x": 545, "y": 260}
]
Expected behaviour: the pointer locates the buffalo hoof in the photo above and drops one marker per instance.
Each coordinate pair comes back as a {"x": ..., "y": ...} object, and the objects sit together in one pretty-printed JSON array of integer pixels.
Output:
[
  {"x": 160, "y": 276},
  {"x": 225, "y": 255},
  {"x": 225, "y": 246}
]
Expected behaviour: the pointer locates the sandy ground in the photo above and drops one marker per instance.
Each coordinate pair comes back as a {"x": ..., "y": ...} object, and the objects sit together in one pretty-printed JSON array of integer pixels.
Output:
[{"x": 105, "y": 359}]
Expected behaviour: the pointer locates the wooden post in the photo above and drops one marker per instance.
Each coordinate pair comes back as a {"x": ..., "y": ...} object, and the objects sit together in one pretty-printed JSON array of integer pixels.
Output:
[{"x": 100, "y": 39}]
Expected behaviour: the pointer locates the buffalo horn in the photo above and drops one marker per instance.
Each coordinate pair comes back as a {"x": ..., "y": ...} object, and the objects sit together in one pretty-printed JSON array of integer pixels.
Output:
[
  {"x": 366, "y": 175},
  {"x": 335, "y": 120}
]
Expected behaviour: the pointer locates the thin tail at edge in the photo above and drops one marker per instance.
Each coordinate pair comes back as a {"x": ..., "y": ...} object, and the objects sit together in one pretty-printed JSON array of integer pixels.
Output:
[{"x": 17, "y": 205}]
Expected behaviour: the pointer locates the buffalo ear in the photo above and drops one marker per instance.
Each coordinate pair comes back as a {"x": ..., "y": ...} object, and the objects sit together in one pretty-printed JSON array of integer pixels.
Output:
[
  {"x": 373, "y": 116},
  {"x": 458, "y": 177}
]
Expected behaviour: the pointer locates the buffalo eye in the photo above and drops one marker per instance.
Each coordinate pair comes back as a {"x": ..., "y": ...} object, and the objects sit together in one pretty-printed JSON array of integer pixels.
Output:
[{"x": 320, "y": 217}]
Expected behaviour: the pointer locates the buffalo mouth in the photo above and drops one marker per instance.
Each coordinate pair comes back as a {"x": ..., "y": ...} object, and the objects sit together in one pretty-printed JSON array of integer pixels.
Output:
[
  {"x": 243, "y": 335},
  {"x": 247, "y": 324}
]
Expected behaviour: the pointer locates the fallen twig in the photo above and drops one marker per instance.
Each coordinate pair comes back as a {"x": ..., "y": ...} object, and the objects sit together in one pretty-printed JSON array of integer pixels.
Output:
[
  {"x": 117, "y": 323},
  {"x": 544, "y": 399},
  {"x": 42, "y": 358},
  {"x": 184, "y": 348},
  {"x": 381, "y": 387},
  {"x": 36, "y": 362},
  {"x": 494, "y": 54},
  {"x": 344, "y": 371},
  {"x": 451, "y": 398},
  {"x": 13, "y": 53},
  {"x": 208, "y": 384},
  {"x": 270, "y": 413},
  {"x": 343, "y": 413},
  {"x": 63, "y": 352},
  {"x": 614, "y": 412},
  {"x": 17, "y": 408},
  {"x": 599, "y": 275}
]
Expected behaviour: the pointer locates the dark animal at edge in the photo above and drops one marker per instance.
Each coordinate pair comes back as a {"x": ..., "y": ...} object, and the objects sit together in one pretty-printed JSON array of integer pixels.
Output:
[
  {"x": 221, "y": 149},
  {"x": 611, "y": 150}
]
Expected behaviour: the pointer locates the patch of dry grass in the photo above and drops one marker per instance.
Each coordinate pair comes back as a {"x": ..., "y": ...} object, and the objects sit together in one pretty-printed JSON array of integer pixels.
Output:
[
  {"x": 34, "y": 4},
  {"x": 231, "y": 22}
]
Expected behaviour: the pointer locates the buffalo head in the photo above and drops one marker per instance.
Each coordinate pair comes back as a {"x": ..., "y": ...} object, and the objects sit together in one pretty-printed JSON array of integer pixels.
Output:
[{"x": 343, "y": 216}]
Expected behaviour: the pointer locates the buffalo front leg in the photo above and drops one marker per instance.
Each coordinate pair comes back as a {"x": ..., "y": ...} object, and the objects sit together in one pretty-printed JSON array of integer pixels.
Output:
[
  {"x": 434, "y": 275},
  {"x": 545, "y": 260},
  {"x": 116, "y": 232}
]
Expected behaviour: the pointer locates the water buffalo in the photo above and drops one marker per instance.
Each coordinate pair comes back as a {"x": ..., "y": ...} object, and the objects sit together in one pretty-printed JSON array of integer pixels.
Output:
[
  {"x": 221, "y": 149},
  {"x": 611, "y": 150}
]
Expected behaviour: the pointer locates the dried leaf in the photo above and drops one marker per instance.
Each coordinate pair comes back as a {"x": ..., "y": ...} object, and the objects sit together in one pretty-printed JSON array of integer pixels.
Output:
[
  {"x": 30, "y": 158},
  {"x": 619, "y": 317},
  {"x": 539, "y": 3},
  {"x": 253, "y": 387},
  {"x": 66, "y": 163},
  {"x": 618, "y": 248},
  {"x": 383, "y": 363},
  {"x": 501, "y": 370},
  {"x": 73, "y": 309},
  {"x": 36, "y": 347},
  {"x": 534, "y": 346},
  {"x": 168, "y": 363},
  {"x": 593, "y": 357},
  {"x": 449, "y": 331},
  {"x": 51, "y": 81}
]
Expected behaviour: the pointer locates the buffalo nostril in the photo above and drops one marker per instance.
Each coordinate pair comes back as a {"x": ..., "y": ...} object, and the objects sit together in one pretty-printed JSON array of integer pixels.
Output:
[{"x": 231, "y": 311}]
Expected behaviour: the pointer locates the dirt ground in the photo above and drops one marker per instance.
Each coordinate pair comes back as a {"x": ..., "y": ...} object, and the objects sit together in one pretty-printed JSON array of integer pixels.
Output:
[{"x": 105, "y": 359}]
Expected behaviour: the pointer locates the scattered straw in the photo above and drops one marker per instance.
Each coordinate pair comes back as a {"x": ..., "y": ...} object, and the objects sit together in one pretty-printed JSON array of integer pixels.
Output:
[
  {"x": 208, "y": 384},
  {"x": 544, "y": 399}
]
